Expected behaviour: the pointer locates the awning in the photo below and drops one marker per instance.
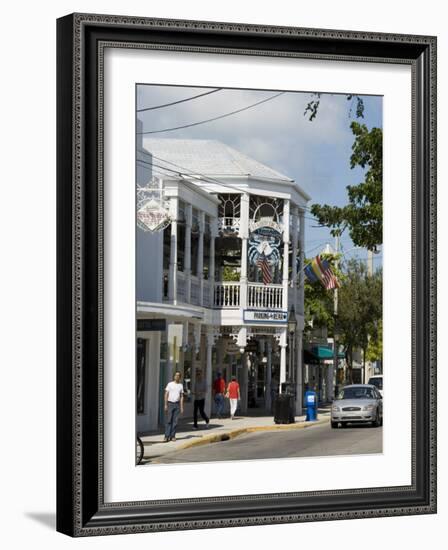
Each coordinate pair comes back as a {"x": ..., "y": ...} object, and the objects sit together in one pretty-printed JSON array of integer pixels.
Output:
[{"x": 319, "y": 353}]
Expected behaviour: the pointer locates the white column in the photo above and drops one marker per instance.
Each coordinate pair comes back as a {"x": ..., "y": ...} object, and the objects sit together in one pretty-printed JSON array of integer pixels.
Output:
[
  {"x": 220, "y": 362},
  {"x": 285, "y": 304},
  {"x": 299, "y": 373},
  {"x": 170, "y": 363},
  {"x": 244, "y": 234},
  {"x": 244, "y": 390},
  {"x": 211, "y": 267},
  {"x": 295, "y": 238},
  {"x": 172, "y": 274},
  {"x": 283, "y": 344},
  {"x": 200, "y": 264},
  {"x": 187, "y": 252},
  {"x": 208, "y": 372},
  {"x": 330, "y": 381},
  {"x": 301, "y": 294},
  {"x": 267, "y": 395},
  {"x": 195, "y": 351},
  {"x": 197, "y": 337},
  {"x": 241, "y": 343}
]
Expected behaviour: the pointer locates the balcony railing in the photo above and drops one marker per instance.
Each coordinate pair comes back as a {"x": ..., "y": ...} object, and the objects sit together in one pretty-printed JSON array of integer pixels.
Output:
[
  {"x": 206, "y": 294},
  {"x": 229, "y": 225},
  {"x": 181, "y": 286},
  {"x": 195, "y": 290},
  {"x": 227, "y": 295},
  {"x": 261, "y": 296}
]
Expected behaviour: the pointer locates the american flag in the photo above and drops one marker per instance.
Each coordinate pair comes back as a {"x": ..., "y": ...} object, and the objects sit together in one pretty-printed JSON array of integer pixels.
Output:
[
  {"x": 263, "y": 264},
  {"x": 329, "y": 279}
]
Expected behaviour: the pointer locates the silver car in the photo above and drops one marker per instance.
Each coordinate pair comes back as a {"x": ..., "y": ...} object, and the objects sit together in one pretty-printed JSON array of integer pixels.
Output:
[{"x": 357, "y": 403}]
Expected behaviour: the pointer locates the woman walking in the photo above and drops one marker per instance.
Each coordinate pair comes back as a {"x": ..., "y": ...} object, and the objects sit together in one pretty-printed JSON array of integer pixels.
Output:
[{"x": 233, "y": 393}]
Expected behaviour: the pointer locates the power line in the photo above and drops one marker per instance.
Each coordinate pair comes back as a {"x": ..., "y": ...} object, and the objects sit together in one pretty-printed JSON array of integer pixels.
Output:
[
  {"x": 312, "y": 249},
  {"x": 177, "y": 102},
  {"x": 199, "y": 178},
  {"x": 210, "y": 179},
  {"x": 214, "y": 118},
  {"x": 153, "y": 170}
]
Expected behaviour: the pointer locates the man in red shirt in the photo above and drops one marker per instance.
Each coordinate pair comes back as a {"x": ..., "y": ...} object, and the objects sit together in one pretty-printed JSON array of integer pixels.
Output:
[
  {"x": 219, "y": 388},
  {"x": 233, "y": 393}
]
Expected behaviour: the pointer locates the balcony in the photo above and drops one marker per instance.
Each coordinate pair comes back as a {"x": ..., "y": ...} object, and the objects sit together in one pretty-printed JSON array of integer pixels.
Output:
[
  {"x": 233, "y": 295},
  {"x": 261, "y": 296},
  {"x": 227, "y": 295},
  {"x": 229, "y": 226}
]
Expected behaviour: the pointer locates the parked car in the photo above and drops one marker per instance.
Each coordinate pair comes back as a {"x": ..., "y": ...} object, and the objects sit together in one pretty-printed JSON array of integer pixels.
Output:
[
  {"x": 357, "y": 403},
  {"x": 377, "y": 381}
]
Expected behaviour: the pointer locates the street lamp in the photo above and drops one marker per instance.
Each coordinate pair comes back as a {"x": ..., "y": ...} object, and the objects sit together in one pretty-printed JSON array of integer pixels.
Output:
[
  {"x": 292, "y": 325},
  {"x": 292, "y": 322}
]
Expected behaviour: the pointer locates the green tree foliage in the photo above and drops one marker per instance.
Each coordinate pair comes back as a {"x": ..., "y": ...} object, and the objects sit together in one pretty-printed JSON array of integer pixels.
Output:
[
  {"x": 319, "y": 301},
  {"x": 230, "y": 273},
  {"x": 374, "y": 350},
  {"x": 363, "y": 215},
  {"x": 360, "y": 310},
  {"x": 312, "y": 107}
]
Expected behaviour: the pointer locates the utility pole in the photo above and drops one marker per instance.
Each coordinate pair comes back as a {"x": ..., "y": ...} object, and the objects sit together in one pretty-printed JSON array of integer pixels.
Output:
[
  {"x": 369, "y": 274},
  {"x": 370, "y": 263},
  {"x": 332, "y": 372}
]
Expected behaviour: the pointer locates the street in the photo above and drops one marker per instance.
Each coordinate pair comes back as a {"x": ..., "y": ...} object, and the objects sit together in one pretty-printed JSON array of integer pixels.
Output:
[{"x": 319, "y": 440}]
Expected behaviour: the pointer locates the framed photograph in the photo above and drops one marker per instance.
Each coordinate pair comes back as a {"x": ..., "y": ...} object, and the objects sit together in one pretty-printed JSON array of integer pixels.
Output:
[{"x": 246, "y": 274}]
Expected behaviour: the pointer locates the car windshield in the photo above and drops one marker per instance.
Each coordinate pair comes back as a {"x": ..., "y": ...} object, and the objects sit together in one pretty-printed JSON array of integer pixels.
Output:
[
  {"x": 356, "y": 393},
  {"x": 378, "y": 382}
]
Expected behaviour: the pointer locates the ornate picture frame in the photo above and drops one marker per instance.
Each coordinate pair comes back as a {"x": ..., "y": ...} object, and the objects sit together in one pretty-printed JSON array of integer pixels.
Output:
[{"x": 81, "y": 42}]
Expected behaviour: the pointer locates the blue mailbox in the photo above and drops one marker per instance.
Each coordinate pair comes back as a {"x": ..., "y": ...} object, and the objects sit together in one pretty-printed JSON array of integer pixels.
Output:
[{"x": 311, "y": 406}]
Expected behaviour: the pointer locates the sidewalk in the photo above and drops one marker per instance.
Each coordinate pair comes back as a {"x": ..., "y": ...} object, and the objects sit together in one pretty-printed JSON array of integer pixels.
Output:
[{"x": 218, "y": 430}]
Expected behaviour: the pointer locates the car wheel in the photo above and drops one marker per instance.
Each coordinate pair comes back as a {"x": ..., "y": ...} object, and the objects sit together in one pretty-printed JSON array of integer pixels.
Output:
[
  {"x": 334, "y": 424},
  {"x": 377, "y": 422}
]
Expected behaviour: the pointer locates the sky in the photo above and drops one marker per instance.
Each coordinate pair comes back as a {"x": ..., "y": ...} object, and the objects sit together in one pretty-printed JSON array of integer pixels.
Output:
[{"x": 316, "y": 154}]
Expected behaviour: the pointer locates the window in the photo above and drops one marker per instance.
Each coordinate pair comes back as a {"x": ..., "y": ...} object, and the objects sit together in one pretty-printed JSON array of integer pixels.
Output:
[
  {"x": 166, "y": 247},
  {"x": 229, "y": 206},
  {"x": 141, "y": 374},
  {"x": 194, "y": 242}
]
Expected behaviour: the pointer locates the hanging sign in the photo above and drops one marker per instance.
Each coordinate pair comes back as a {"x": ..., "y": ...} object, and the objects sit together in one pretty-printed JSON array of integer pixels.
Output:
[
  {"x": 152, "y": 216},
  {"x": 265, "y": 241}
]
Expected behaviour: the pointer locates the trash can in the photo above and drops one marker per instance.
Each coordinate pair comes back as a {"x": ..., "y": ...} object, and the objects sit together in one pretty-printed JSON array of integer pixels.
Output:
[{"x": 284, "y": 409}]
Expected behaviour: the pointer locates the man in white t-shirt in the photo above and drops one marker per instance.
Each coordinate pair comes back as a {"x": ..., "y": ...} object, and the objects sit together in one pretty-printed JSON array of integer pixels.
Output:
[{"x": 174, "y": 405}]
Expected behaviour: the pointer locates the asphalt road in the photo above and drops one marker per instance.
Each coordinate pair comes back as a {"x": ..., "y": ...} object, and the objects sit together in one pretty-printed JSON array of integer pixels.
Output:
[{"x": 319, "y": 440}]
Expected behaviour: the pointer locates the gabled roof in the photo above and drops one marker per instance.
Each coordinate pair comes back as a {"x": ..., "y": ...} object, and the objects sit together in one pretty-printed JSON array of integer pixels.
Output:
[{"x": 207, "y": 157}]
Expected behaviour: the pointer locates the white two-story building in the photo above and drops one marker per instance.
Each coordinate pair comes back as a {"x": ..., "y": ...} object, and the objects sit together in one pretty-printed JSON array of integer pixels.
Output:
[{"x": 220, "y": 287}]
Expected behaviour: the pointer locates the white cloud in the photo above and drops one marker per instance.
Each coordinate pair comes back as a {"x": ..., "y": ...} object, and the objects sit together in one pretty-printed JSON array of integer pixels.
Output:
[{"x": 316, "y": 154}]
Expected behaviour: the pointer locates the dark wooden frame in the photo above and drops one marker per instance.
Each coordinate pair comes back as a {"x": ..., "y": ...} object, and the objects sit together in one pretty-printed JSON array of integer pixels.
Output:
[{"x": 81, "y": 510}]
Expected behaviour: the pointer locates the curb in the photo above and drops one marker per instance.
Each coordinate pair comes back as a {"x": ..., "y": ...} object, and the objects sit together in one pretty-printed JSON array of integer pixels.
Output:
[{"x": 225, "y": 436}]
